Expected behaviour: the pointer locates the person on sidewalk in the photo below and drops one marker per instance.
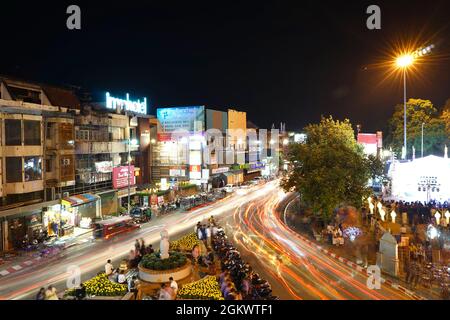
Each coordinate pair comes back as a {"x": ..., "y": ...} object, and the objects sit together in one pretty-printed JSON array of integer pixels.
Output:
[
  {"x": 122, "y": 278},
  {"x": 196, "y": 228},
  {"x": 41, "y": 294},
  {"x": 132, "y": 286},
  {"x": 109, "y": 268},
  {"x": 51, "y": 293},
  {"x": 174, "y": 286}
]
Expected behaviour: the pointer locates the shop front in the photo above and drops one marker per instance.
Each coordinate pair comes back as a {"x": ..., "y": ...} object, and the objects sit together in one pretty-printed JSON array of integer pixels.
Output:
[
  {"x": 20, "y": 225},
  {"x": 234, "y": 177},
  {"x": 109, "y": 203},
  {"x": 75, "y": 216},
  {"x": 23, "y": 226},
  {"x": 122, "y": 196}
]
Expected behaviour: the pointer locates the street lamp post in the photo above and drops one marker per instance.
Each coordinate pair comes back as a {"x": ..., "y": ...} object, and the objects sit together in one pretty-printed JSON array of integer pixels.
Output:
[
  {"x": 128, "y": 174},
  {"x": 404, "y": 62},
  {"x": 404, "y": 112},
  {"x": 130, "y": 142},
  {"x": 422, "y": 142}
]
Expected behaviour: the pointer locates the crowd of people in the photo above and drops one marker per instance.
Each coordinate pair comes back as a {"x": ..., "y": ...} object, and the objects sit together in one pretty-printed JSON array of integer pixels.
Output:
[
  {"x": 168, "y": 291},
  {"x": 237, "y": 279}
]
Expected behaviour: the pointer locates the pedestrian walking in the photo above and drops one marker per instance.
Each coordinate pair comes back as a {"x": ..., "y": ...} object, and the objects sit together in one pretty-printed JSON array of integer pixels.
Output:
[
  {"x": 137, "y": 246},
  {"x": 142, "y": 248}
]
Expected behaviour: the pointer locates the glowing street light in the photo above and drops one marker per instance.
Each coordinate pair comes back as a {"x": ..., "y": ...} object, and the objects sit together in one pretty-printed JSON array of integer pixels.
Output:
[
  {"x": 371, "y": 207},
  {"x": 379, "y": 206},
  {"x": 403, "y": 62},
  {"x": 437, "y": 215},
  {"x": 393, "y": 215},
  {"x": 382, "y": 214}
]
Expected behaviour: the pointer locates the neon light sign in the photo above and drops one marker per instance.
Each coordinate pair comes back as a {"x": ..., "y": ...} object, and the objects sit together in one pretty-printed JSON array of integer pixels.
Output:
[{"x": 126, "y": 105}]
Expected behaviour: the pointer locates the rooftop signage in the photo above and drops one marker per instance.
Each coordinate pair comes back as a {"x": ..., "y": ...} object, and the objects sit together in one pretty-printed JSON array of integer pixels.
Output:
[{"x": 135, "y": 106}]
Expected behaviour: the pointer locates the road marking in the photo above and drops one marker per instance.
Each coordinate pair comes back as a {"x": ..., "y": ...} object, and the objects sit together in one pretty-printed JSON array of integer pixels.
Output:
[
  {"x": 28, "y": 263},
  {"x": 4, "y": 272}
]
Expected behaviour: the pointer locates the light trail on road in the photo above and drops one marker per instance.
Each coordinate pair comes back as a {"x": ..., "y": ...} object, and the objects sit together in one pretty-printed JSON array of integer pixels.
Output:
[
  {"x": 295, "y": 268},
  {"x": 91, "y": 256}
]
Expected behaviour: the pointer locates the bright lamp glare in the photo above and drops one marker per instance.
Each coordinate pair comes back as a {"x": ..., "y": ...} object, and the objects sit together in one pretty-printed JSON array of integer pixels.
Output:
[{"x": 405, "y": 61}]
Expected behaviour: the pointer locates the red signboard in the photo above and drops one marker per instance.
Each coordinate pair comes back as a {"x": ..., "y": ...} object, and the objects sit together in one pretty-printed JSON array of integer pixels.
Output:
[
  {"x": 195, "y": 168},
  {"x": 120, "y": 177},
  {"x": 163, "y": 136}
]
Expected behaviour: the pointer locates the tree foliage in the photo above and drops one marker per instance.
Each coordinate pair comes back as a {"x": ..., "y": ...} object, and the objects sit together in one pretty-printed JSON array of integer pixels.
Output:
[
  {"x": 328, "y": 170},
  {"x": 418, "y": 111}
]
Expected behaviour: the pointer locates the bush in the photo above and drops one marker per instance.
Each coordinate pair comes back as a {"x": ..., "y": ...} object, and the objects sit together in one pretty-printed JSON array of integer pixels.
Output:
[{"x": 153, "y": 261}]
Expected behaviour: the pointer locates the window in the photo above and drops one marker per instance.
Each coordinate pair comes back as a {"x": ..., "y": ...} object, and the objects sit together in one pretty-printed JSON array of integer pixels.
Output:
[
  {"x": 32, "y": 132},
  {"x": 49, "y": 133},
  {"x": 13, "y": 169},
  {"x": 48, "y": 165},
  {"x": 13, "y": 132},
  {"x": 33, "y": 168}
]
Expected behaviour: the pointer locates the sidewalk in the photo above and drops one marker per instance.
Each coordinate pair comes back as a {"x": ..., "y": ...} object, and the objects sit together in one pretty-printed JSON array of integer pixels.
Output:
[
  {"x": 343, "y": 255},
  {"x": 22, "y": 260}
]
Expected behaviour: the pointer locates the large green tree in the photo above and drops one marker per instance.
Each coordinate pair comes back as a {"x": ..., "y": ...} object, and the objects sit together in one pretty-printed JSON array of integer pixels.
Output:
[
  {"x": 418, "y": 111},
  {"x": 328, "y": 170}
]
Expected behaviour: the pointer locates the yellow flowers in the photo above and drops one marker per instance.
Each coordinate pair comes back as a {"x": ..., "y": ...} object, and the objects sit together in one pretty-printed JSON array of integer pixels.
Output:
[
  {"x": 207, "y": 288},
  {"x": 102, "y": 286},
  {"x": 186, "y": 243}
]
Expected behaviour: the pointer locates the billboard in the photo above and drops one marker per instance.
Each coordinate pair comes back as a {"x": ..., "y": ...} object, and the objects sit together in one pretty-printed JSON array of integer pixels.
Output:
[
  {"x": 371, "y": 142},
  {"x": 190, "y": 119},
  {"x": 134, "y": 106},
  {"x": 120, "y": 177}
]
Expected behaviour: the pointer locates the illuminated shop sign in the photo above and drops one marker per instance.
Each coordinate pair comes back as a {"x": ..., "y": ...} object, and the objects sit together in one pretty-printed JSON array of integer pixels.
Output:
[
  {"x": 190, "y": 119},
  {"x": 126, "y": 105}
]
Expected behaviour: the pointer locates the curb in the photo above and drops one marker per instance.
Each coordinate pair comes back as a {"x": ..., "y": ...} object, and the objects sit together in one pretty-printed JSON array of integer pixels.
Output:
[
  {"x": 31, "y": 262},
  {"x": 358, "y": 268},
  {"x": 19, "y": 266}
]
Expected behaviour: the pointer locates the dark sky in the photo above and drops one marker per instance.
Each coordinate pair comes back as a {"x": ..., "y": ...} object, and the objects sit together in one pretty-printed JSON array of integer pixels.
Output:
[{"x": 279, "y": 61}]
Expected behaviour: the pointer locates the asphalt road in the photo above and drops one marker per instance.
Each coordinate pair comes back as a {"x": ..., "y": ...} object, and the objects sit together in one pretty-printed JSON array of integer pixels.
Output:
[
  {"x": 295, "y": 269},
  {"x": 91, "y": 256}
]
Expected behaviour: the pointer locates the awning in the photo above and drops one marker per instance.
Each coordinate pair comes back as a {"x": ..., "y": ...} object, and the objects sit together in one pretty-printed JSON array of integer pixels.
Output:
[{"x": 79, "y": 199}]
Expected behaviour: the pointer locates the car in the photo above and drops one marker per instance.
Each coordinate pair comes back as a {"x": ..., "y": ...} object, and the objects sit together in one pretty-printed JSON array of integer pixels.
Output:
[
  {"x": 141, "y": 214},
  {"x": 229, "y": 188}
]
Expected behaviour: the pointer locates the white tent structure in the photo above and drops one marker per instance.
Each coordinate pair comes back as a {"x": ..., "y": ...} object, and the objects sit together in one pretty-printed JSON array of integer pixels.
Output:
[{"x": 422, "y": 179}]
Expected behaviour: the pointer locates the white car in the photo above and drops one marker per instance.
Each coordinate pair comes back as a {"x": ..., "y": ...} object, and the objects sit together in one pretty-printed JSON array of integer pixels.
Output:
[{"x": 229, "y": 188}]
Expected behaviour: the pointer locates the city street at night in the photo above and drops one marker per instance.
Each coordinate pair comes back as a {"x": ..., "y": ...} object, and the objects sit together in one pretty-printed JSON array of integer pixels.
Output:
[{"x": 239, "y": 159}]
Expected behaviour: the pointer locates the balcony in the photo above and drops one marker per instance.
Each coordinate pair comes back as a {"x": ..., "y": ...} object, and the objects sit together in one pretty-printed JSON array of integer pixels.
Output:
[{"x": 89, "y": 147}]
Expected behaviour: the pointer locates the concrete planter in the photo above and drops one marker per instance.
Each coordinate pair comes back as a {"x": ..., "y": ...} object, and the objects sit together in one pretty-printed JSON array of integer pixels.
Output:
[{"x": 160, "y": 276}]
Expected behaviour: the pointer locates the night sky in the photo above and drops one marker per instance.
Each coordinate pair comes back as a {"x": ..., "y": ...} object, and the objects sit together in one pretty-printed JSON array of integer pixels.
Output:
[{"x": 279, "y": 61}]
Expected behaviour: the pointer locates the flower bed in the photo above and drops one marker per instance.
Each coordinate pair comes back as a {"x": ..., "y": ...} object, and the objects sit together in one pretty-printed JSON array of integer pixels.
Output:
[
  {"x": 185, "y": 243},
  {"x": 153, "y": 261},
  {"x": 100, "y": 285},
  {"x": 206, "y": 289}
]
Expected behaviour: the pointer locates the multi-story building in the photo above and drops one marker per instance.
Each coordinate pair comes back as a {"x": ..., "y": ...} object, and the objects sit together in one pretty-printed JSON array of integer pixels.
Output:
[
  {"x": 37, "y": 152},
  {"x": 64, "y": 164}
]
